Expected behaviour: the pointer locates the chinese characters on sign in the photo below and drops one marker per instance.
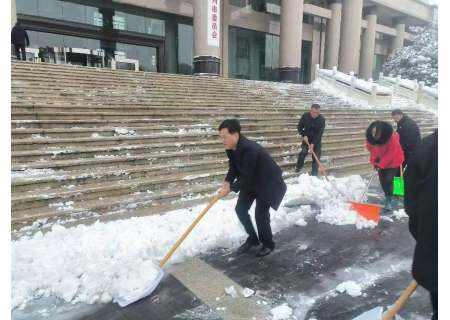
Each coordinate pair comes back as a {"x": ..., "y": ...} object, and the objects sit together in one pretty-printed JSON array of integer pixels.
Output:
[{"x": 213, "y": 23}]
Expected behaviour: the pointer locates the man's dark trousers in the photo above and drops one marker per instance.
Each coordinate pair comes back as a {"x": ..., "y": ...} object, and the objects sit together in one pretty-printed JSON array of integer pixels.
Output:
[
  {"x": 262, "y": 218},
  {"x": 304, "y": 152},
  {"x": 20, "y": 49}
]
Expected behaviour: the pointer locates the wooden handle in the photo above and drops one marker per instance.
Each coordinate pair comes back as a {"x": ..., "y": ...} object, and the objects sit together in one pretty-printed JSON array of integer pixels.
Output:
[
  {"x": 401, "y": 171},
  {"x": 319, "y": 164},
  {"x": 186, "y": 233},
  {"x": 390, "y": 314}
]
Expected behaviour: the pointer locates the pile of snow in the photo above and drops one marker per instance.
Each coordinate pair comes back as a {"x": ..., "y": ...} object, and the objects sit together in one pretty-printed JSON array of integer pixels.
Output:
[
  {"x": 282, "y": 312},
  {"x": 350, "y": 287},
  {"x": 108, "y": 261},
  {"x": 332, "y": 196}
]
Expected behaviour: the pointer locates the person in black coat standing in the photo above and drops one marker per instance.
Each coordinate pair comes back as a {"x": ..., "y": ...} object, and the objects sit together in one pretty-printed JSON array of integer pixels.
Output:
[
  {"x": 409, "y": 133},
  {"x": 421, "y": 205},
  {"x": 259, "y": 178},
  {"x": 20, "y": 40},
  {"x": 310, "y": 127}
]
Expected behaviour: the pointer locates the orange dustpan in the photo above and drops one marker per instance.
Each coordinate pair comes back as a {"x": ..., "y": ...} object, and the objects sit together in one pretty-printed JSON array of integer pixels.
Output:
[{"x": 367, "y": 210}]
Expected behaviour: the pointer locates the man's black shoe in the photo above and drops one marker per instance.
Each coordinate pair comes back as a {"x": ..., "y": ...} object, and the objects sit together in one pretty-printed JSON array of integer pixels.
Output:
[
  {"x": 264, "y": 251},
  {"x": 246, "y": 246}
]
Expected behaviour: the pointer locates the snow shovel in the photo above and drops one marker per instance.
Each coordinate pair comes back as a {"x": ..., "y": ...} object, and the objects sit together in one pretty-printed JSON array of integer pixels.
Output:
[
  {"x": 151, "y": 286},
  {"x": 377, "y": 313},
  {"x": 368, "y": 210},
  {"x": 401, "y": 301},
  {"x": 399, "y": 185}
]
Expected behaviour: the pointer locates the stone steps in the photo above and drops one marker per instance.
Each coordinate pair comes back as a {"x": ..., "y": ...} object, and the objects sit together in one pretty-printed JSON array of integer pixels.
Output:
[
  {"x": 144, "y": 154},
  {"x": 71, "y": 159},
  {"x": 128, "y": 205},
  {"x": 162, "y": 131},
  {"x": 156, "y": 182},
  {"x": 179, "y": 142},
  {"x": 51, "y": 176}
]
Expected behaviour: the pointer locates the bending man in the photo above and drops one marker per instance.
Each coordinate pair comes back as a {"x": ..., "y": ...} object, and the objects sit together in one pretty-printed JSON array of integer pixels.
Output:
[{"x": 258, "y": 178}]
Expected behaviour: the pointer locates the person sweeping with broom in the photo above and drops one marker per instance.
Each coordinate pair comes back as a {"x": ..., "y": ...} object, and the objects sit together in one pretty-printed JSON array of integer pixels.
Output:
[
  {"x": 386, "y": 156},
  {"x": 258, "y": 178}
]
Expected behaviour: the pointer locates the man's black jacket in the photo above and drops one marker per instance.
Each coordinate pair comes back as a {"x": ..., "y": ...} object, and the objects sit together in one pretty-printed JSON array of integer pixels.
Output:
[
  {"x": 421, "y": 204},
  {"x": 409, "y": 133},
  {"x": 256, "y": 171},
  {"x": 19, "y": 36},
  {"x": 311, "y": 127}
]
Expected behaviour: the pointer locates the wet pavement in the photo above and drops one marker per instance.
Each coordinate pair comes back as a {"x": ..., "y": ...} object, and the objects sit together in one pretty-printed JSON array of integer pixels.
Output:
[{"x": 304, "y": 270}]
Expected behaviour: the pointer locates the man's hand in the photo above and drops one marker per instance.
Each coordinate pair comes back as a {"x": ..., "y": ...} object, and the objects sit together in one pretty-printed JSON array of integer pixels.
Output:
[
  {"x": 311, "y": 148},
  {"x": 305, "y": 139},
  {"x": 225, "y": 190}
]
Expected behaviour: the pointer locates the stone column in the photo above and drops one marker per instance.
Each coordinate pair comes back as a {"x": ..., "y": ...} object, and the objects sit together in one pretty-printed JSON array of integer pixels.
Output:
[
  {"x": 207, "y": 35},
  {"x": 399, "y": 38},
  {"x": 291, "y": 40},
  {"x": 368, "y": 45},
  {"x": 13, "y": 13},
  {"x": 333, "y": 35},
  {"x": 226, "y": 15},
  {"x": 350, "y": 36}
]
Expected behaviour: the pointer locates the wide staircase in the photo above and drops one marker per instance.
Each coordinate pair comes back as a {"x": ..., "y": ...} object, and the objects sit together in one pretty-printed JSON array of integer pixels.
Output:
[{"x": 92, "y": 144}]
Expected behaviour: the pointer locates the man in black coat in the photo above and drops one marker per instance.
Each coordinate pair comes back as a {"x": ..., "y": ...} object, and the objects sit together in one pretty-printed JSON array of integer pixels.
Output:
[
  {"x": 258, "y": 178},
  {"x": 310, "y": 127},
  {"x": 421, "y": 204},
  {"x": 19, "y": 38},
  {"x": 409, "y": 133}
]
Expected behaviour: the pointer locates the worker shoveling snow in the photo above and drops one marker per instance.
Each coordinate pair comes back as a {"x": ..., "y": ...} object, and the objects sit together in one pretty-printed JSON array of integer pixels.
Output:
[{"x": 117, "y": 260}]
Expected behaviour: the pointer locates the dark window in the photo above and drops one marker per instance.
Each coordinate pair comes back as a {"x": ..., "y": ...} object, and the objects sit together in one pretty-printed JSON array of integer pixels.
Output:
[
  {"x": 185, "y": 48},
  {"x": 243, "y": 47}
]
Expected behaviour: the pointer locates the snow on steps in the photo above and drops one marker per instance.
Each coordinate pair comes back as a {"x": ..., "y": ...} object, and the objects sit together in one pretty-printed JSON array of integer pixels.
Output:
[{"x": 156, "y": 132}]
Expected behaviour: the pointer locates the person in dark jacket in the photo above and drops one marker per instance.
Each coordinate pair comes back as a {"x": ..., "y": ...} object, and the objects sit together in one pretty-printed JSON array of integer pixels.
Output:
[
  {"x": 258, "y": 178},
  {"x": 310, "y": 127},
  {"x": 421, "y": 205},
  {"x": 408, "y": 131},
  {"x": 386, "y": 156},
  {"x": 20, "y": 40}
]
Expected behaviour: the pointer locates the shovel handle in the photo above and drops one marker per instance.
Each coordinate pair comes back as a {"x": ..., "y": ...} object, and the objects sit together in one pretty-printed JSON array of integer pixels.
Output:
[
  {"x": 390, "y": 314},
  {"x": 186, "y": 233},
  {"x": 317, "y": 160}
]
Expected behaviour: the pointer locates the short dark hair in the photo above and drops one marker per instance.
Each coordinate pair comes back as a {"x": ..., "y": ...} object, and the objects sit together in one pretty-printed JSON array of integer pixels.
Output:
[
  {"x": 397, "y": 112},
  {"x": 232, "y": 125},
  {"x": 315, "y": 106}
]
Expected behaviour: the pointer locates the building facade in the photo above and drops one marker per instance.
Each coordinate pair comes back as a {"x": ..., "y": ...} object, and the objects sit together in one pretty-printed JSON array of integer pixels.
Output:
[{"x": 275, "y": 40}]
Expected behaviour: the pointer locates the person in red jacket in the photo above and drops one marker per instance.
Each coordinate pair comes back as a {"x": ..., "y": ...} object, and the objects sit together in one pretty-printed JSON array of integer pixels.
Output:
[{"x": 386, "y": 156}]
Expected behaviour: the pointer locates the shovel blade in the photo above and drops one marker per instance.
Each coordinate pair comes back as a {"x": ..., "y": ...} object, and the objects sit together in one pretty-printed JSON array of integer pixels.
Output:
[
  {"x": 373, "y": 314},
  {"x": 147, "y": 290},
  {"x": 367, "y": 210}
]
